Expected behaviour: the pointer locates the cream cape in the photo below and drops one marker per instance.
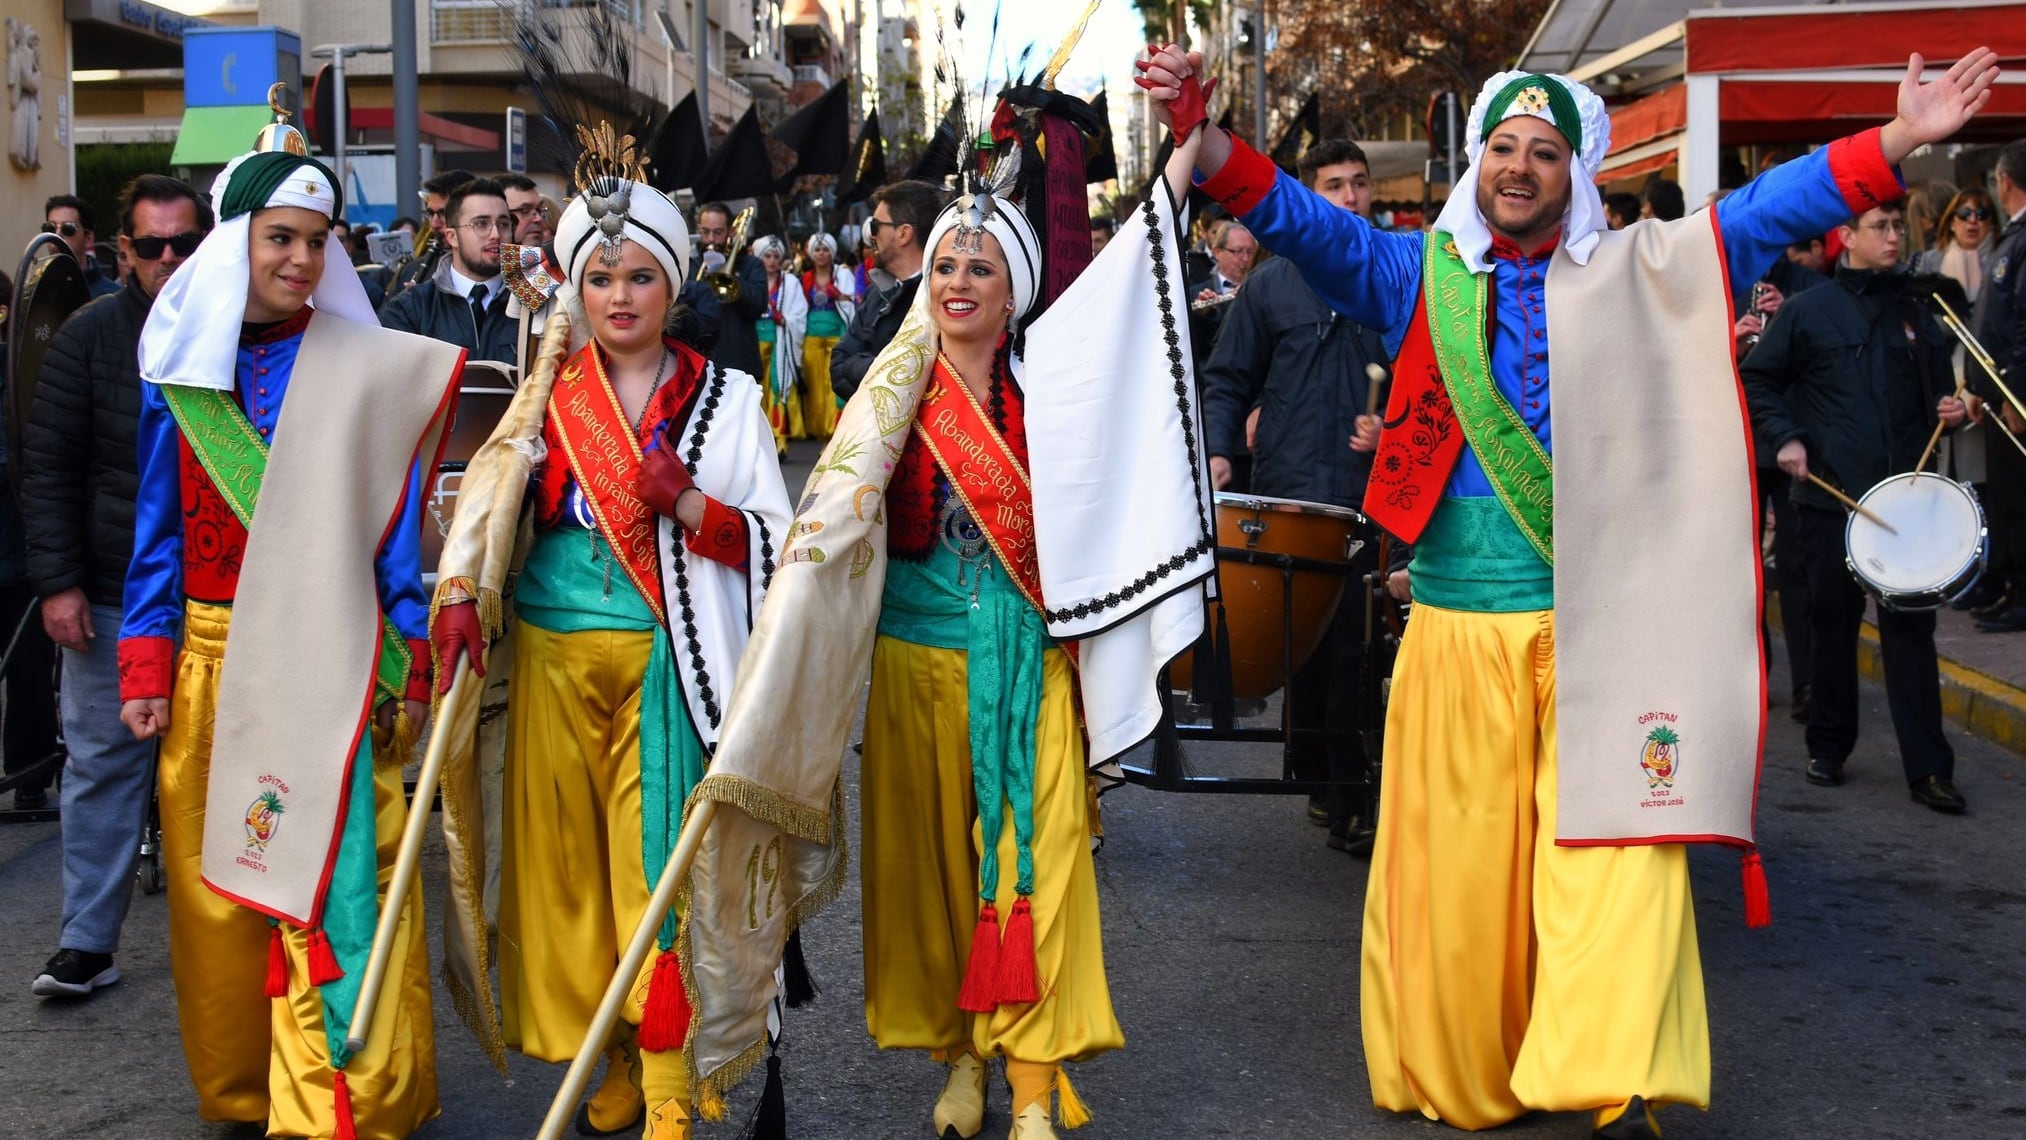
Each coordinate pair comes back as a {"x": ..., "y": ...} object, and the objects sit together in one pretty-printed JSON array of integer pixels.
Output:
[
  {"x": 1129, "y": 442},
  {"x": 338, "y": 472},
  {"x": 1656, "y": 547},
  {"x": 489, "y": 538}
]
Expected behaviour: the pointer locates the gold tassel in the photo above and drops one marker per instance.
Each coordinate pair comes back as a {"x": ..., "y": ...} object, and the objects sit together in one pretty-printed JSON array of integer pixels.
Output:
[{"x": 1069, "y": 1108}]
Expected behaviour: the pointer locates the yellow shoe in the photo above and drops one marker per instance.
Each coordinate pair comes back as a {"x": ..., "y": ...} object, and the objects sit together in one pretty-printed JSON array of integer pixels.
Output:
[
  {"x": 618, "y": 1105},
  {"x": 668, "y": 1120},
  {"x": 960, "y": 1111},
  {"x": 1033, "y": 1124}
]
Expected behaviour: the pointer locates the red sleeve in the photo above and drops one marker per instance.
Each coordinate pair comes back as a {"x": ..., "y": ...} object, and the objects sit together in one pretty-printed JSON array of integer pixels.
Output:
[
  {"x": 1244, "y": 179},
  {"x": 722, "y": 537},
  {"x": 1857, "y": 163},
  {"x": 147, "y": 668},
  {"x": 419, "y": 688}
]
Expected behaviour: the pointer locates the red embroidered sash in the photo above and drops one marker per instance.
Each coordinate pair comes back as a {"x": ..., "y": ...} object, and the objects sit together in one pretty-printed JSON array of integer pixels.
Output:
[
  {"x": 985, "y": 472},
  {"x": 1420, "y": 440},
  {"x": 583, "y": 412}
]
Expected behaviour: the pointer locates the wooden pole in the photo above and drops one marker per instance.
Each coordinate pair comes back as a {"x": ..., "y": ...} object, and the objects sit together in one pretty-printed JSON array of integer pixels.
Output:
[{"x": 563, "y": 1109}]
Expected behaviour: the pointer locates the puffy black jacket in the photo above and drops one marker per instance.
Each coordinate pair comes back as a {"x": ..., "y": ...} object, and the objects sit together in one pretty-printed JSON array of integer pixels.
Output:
[
  {"x": 1303, "y": 364},
  {"x": 78, "y": 462},
  {"x": 1854, "y": 372},
  {"x": 872, "y": 328},
  {"x": 2001, "y": 312},
  {"x": 431, "y": 309},
  {"x": 738, "y": 335}
]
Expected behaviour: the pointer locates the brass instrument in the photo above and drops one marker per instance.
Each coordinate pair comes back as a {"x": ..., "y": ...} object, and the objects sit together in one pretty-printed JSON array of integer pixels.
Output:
[
  {"x": 1983, "y": 359},
  {"x": 725, "y": 282}
]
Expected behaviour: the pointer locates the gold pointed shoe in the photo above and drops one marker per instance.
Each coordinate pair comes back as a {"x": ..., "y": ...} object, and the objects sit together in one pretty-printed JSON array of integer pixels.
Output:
[
  {"x": 618, "y": 1107},
  {"x": 1033, "y": 1124},
  {"x": 960, "y": 1111}
]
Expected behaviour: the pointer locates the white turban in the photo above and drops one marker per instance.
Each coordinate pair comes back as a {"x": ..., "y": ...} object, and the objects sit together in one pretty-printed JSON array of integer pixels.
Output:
[
  {"x": 192, "y": 332},
  {"x": 1005, "y": 222},
  {"x": 1460, "y": 216},
  {"x": 613, "y": 210}
]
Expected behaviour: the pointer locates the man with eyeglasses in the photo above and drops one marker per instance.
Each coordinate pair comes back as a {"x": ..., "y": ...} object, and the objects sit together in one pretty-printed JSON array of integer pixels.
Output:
[
  {"x": 1847, "y": 383},
  {"x": 78, "y": 473},
  {"x": 2001, "y": 327},
  {"x": 70, "y": 218},
  {"x": 902, "y": 213},
  {"x": 524, "y": 201},
  {"x": 464, "y": 302}
]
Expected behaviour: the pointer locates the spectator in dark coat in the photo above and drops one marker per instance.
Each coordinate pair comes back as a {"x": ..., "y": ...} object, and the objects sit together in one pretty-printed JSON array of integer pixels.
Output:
[
  {"x": 731, "y": 326},
  {"x": 902, "y": 213},
  {"x": 2001, "y": 327},
  {"x": 79, "y": 470},
  {"x": 465, "y": 302}
]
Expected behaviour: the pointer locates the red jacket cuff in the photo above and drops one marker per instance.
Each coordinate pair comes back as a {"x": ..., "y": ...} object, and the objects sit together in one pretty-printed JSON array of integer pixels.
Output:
[
  {"x": 419, "y": 688},
  {"x": 1857, "y": 162},
  {"x": 722, "y": 537},
  {"x": 147, "y": 668},
  {"x": 1244, "y": 179}
]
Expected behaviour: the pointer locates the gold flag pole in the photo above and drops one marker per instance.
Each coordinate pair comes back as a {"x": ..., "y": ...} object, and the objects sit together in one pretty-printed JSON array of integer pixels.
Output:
[{"x": 562, "y": 1110}]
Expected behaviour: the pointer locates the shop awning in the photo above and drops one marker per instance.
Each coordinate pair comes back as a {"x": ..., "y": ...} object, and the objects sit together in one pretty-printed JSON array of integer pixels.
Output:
[{"x": 214, "y": 136}]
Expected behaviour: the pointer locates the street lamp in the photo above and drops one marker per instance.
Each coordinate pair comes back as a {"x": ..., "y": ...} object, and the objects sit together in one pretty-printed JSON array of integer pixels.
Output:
[{"x": 340, "y": 120}]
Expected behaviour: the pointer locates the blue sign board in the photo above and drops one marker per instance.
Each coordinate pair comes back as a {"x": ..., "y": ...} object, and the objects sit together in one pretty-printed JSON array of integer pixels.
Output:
[
  {"x": 234, "y": 67},
  {"x": 516, "y": 140}
]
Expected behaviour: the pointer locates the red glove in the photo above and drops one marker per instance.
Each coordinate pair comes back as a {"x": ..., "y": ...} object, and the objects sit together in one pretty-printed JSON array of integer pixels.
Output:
[
  {"x": 456, "y": 631},
  {"x": 1191, "y": 105},
  {"x": 663, "y": 479}
]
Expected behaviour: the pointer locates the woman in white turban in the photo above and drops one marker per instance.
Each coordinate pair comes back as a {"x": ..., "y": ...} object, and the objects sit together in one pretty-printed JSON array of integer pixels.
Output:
[
  {"x": 780, "y": 332},
  {"x": 832, "y": 290},
  {"x": 657, "y": 513}
]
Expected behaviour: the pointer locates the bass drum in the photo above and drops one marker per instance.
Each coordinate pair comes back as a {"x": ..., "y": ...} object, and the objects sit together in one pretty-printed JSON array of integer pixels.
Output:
[
  {"x": 482, "y": 401},
  {"x": 1282, "y": 565},
  {"x": 1935, "y": 551}
]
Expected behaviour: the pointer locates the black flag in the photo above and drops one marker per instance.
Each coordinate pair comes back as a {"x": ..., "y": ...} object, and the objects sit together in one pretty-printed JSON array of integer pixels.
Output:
[
  {"x": 819, "y": 134},
  {"x": 1303, "y": 131},
  {"x": 679, "y": 153},
  {"x": 939, "y": 159},
  {"x": 1100, "y": 159},
  {"x": 866, "y": 171},
  {"x": 739, "y": 168}
]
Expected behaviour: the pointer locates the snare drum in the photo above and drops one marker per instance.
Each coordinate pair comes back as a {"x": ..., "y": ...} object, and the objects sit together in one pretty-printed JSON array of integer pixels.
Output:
[
  {"x": 1282, "y": 565},
  {"x": 1939, "y": 550},
  {"x": 481, "y": 401}
]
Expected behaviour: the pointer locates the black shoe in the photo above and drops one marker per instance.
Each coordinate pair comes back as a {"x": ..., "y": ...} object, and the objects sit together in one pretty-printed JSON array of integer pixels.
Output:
[
  {"x": 75, "y": 973},
  {"x": 1799, "y": 713},
  {"x": 2013, "y": 620},
  {"x": 31, "y": 799},
  {"x": 1635, "y": 1123},
  {"x": 1985, "y": 593},
  {"x": 1319, "y": 810},
  {"x": 586, "y": 1128},
  {"x": 1996, "y": 609},
  {"x": 1827, "y": 773},
  {"x": 1936, "y": 792},
  {"x": 1352, "y": 838}
]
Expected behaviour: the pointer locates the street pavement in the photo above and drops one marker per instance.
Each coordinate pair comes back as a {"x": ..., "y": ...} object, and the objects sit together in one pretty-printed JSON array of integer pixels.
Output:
[{"x": 1885, "y": 1000}]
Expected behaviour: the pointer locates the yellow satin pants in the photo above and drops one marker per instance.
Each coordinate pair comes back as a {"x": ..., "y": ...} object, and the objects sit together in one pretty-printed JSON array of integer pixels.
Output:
[
  {"x": 919, "y": 842},
  {"x": 783, "y": 412},
  {"x": 1502, "y": 973},
  {"x": 572, "y": 886},
  {"x": 819, "y": 400},
  {"x": 253, "y": 1058}
]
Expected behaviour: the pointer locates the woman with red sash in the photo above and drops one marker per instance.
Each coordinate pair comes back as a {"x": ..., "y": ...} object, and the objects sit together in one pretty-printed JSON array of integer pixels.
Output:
[
  {"x": 981, "y": 911},
  {"x": 658, "y": 509},
  {"x": 780, "y": 334},
  {"x": 832, "y": 290}
]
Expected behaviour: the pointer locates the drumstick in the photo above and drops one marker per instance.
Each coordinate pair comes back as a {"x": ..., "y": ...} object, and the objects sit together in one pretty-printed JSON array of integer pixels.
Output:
[
  {"x": 1850, "y": 502},
  {"x": 1936, "y": 437},
  {"x": 1377, "y": 375}
]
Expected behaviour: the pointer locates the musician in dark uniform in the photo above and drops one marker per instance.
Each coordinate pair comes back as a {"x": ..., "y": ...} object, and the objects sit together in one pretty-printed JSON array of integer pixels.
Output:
[
  {"x": 2001, "y": 327},
  {"x": 1847, "y": 383},
  {"x": 1303, "y": 367}
]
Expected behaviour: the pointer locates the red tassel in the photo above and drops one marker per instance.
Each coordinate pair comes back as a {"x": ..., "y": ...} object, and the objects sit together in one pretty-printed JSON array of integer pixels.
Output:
[
  {"x": 981, "y": 977},
  {"x": 664, "y": 1021},
  {"x": 277, "y": 964},
  {"x": 324, "y": 967},
  {"x": 1017, "y": 982},
  {"x": 1758, "y": 905},
  {"x": 342, "y": 1096}
]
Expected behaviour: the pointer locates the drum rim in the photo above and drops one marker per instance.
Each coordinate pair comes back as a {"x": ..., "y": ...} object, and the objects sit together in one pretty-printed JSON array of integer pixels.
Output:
[
  {"x": 1243, "y": 499},
  {"x": 1955, "y": 583}
]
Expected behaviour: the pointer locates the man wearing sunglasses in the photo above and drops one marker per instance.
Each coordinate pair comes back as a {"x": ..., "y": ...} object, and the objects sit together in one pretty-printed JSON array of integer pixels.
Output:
[
  {"x": 902, "y": 213},
  {"x": 70, "y": 218},
  {"x": 464, "y": 302},
  {"x": 78, "y": 471}
]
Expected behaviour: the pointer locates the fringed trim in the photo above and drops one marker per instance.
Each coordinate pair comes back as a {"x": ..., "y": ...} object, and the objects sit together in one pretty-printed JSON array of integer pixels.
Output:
[
  {"x": 826, "y": 891},
  {"x": 770, "y": 808},
  {"x": 341, "y": 1098},
  {"x": 981, "y": 976},
  {"x": 478, "y": 1011},
  {"x": 665, "y": 1017},
  {"x": 1070, "y": 1111},
  {"x": 1016, "y": 982},
  {"x": 324, "y": 968},
  {"x": 484, "y": 1031},
  {"x": 712, "y": 1089},
  {"x": 401, "y": 746},
  {"x": 277, "y": 962}
]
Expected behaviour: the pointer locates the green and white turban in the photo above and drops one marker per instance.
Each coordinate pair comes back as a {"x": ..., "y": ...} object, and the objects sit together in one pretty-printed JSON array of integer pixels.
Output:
[
  {"x": 192, "y": 333},
  {"x": 1573, "y": 110}
]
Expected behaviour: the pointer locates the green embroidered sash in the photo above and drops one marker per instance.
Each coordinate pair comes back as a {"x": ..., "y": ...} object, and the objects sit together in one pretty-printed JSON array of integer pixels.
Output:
[
  {"x": 235, "y": 457},
  {"x": 1518, "y": 467}
]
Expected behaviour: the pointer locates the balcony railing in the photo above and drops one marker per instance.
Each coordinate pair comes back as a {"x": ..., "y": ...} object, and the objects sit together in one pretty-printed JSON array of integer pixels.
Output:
[
  {"x": 489, "y": 21},
  {"x": 809, "y": 73}
]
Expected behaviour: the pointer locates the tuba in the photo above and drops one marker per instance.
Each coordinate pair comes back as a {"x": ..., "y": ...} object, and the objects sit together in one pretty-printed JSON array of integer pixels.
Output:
[{"x": 724, "y": 282}]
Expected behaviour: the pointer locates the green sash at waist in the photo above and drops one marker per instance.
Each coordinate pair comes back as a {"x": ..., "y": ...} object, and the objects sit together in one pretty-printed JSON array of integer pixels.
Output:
[
  {"x": 825, "y": 323},
  {"x": 572, "y": 584},
  {"x": 1473, "y": 557}
]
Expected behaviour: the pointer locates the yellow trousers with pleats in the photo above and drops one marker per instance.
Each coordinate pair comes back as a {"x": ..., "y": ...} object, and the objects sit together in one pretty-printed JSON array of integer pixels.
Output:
[
  {"x": 919, "y": 844},
  {"x": 253, "y": 1058},
  {"x": 819, "y": 399},
  {"x": 1503, "y": 973},
  {"x": 572, "y": 887}
]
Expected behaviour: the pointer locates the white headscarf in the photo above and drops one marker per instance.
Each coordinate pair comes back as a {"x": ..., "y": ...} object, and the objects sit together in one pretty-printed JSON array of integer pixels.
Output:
[
  {"x": 1016, "y": 237},
  {"x": 1460, "y": 216},
  {"x": 192, "y": 333},
  {"x": 614, "y": 210}
]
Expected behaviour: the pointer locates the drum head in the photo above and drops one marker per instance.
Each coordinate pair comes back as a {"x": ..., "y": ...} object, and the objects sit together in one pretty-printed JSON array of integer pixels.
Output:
[
  {"x": 1258, "y": 503},
  {"x": 1940, "y": 530}
]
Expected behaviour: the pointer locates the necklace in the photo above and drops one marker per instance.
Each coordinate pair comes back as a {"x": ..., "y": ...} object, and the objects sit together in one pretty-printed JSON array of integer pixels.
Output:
[{"x": 662, "y": 373}]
